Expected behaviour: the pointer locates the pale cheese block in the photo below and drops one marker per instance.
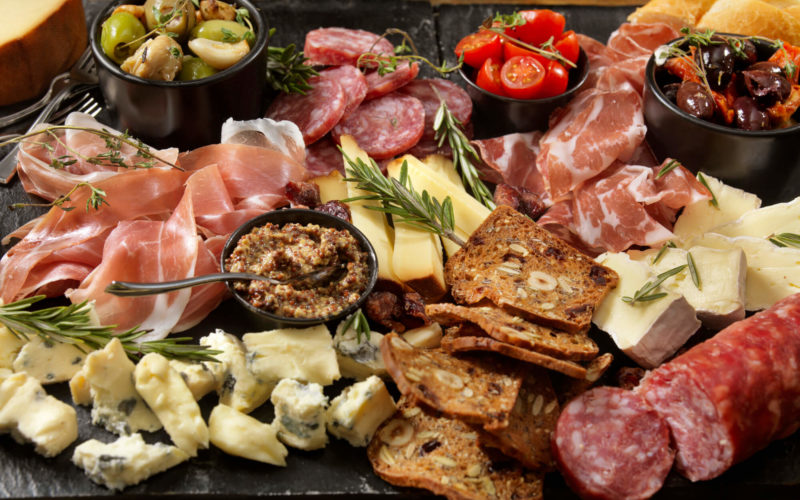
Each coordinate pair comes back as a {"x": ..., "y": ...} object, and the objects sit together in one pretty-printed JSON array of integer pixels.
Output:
[
  {"x": 304, "y": 354},
  {"x": 720, "y": 299},
  {"x": 444, "y": 166},
  {"x": 167, "y": 395},
  {"x": 764, "y": 222},
  {"x": 773, "y": 272},
  {"x": 356, "y": 413},
  {"x": 39, "y": 40},
  {"x": 358, "y": 359},
  {"x": 751, "y": 17},
  {"x": 331, "y": 187},
  {"x": 241, "y": 435},
  {"x": 116, "y": 406},
  {"x": 199, "y": 378},
  {"x": 424, "y": 337},
  {"x": 126, "y": 461},
  {"x": 701, "y": 216},
  {"x": 372, "y": 223},
  {"x": 49, "y": 362},
  {"x": 32, "y": 416},
  {"x": 300, "y": 414},
  {"x": 648, "y": 332},
  {"x": 417, "y": 258},
  {"x": 10, "y": 346}
]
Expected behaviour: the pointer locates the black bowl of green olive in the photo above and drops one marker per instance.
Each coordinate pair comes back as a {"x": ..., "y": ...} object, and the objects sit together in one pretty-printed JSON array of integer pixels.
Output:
[
  {"x": 290, "y": 243},
  {"x": 720, "y": 108},
  {"x": 173, "y": 73}
]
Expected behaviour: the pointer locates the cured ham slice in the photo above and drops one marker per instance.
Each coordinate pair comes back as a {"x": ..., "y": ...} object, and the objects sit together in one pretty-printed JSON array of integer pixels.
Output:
[{"x": 512, "y": 159}]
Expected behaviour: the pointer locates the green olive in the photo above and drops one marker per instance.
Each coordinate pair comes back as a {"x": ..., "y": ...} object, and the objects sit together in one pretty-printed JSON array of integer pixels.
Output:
[
  {"x": 222, "y": 31},
  {"x": 121, "y": 35},
  {"x": 195, "y": 68},
  {"x": 174, "y": 16}
]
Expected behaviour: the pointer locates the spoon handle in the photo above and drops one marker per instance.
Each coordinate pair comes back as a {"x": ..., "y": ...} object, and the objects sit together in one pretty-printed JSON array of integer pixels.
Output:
[{"x": 131, "y": 289}]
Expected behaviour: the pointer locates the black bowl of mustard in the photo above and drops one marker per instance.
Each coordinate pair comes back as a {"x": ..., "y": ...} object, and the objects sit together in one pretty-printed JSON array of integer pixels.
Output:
[
  {"x": 184, "y": 114},
  {"x": 262, "y": 318}
]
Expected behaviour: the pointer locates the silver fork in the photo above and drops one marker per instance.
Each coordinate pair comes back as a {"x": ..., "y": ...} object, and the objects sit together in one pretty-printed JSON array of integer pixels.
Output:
[
  {"x": 82, "y": 72},
  {"x": 86, "y": 104}
]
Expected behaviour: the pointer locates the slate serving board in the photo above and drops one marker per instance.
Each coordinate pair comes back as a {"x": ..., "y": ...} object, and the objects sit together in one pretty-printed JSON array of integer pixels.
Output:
[{"x": 340, "y": 470}]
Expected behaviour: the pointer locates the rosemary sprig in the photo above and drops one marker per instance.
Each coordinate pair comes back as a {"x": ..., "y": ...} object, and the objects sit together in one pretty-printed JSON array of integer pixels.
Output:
[
  {"x": 669, "y": 167},
  {"x": 499, "y": 23},
  {"x": 448, "y": 127},
  {"x": 704, "y": 182},
  {"x": 358, "y": 322},
  {"x": 96, "y": 199},
  {"x": 287, "y": 70},
  {"x": 72, "y": 325},
  {"x": 645, "y": 294},
  {"x": 693, "y": 270},
  {"x": 399, "y": 198},
  {"x": 405, "y": 52},
  {"x": 785, "y": 240},
  {"x": 663, "y": 250}
]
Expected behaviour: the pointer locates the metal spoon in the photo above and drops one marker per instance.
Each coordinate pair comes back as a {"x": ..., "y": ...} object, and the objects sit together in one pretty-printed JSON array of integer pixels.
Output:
[{"x": 133, "y": 289}]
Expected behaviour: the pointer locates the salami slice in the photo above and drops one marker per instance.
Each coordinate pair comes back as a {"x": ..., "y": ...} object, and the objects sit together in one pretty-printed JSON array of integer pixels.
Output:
[
  {"x": 314, "y": 113},
  {"x": 353, "y": 83},
  {"x": 336, "y": 46},
  {"x": 733, "y": 394},
  {"x": 378, "y": 85},
  {"x": 386, "y": 126},
  {"x": 429, "y": 91},
  {"x": 609, "y": 444},
  {"x": 323, "y": 157}
]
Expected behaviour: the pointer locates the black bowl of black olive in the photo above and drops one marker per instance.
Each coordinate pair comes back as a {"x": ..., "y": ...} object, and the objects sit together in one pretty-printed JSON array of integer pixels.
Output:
[{"x": 726, "y": 105}]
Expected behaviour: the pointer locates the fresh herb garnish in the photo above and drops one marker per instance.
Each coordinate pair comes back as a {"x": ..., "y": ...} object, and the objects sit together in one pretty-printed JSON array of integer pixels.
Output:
[
  {"x": 72, "y": 324},
  {"x": 693, "y": 270},
  {"x": 669, "y": 167},
  {"x": 358, "y": 322},
  {"x": 499, "y": 23},
  {"x": 448, "y": 127},
  {"x": 404, "y": 53},
  {"x": 645, "y": 294},
  {"x": 96, "y": 199},
  {"x": 663, "y": 250},
  {"x": 229, "y": 36},
  {"x": 704, "y": 182},
  {"x": 785, "y": 240},
  {"x": 287, "y": 70}
]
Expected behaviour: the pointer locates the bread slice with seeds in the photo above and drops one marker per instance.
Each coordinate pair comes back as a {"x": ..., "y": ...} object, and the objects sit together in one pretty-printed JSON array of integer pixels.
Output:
[{"x": 528, "y": 271}]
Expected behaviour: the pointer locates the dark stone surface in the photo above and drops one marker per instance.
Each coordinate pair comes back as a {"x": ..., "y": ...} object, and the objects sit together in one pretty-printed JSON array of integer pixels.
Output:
[{"x": 340, "y": 470}]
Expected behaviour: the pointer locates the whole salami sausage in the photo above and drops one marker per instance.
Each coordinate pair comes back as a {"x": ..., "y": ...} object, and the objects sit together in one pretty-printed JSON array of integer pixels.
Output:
[
  {"x": 610, "y": 444},
  {"x": 733, "y": 394}
]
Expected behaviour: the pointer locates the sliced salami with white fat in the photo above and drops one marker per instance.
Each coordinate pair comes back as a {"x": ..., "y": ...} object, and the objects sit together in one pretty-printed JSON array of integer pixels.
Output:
[
  {"x": 430, "y": 91},
  {"x": 386, "y": 126},
  {"x": 336, "y": 46},
  {"x": 352, "y": 81},
  {"x": 378, "y": 85},
  {"x": 316, "y": 112},
  {"x": 323, "y": 157},
  {"x": 610, "y": 444}
]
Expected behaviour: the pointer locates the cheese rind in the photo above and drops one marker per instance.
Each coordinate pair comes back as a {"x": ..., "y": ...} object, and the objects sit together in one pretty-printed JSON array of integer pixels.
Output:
[
  {"x": 300, "y": 414},
  {"x": 765, "y": 221},
  {"x": 30, "y": 415},
  {"x": 356, "y": 413},
  {"x": 648, "y": 332},
  {"x": 126, "y": 461},
  {"x": 169, "y": 398},
  {"x": 356, "y": 359},
  {"x": 241, "y": 435},
  {"x": 49, "y": 362}
]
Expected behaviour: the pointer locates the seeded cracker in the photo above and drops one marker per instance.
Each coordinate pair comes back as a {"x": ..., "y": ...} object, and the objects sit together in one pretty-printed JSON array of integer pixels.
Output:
[
  {"x": 514, "y": 330},
  {"x": 416, "y": 449},
  {"x": 528, "y": 271},
  {"x": 530, "y": 424},
  {"x": 468, "y": 337},
  {"x": 477, "y": 389}
]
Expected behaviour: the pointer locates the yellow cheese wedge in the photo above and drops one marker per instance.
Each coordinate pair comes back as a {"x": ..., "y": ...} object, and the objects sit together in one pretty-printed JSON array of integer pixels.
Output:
[
  {"x": 444, "y": 166},
  {"x": 39, "y": 39},
  {"x": 331, "y": 186}
]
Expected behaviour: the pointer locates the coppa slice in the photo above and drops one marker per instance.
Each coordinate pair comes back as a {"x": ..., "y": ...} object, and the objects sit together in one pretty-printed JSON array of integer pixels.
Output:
[
  {"x": 514, "y": 330},
  {"x": 334, "y": 46},
  {"x": 468, "y": 337},
  {"x": 386, "y": 126},
  {"x": 527, "y": 437},
  {"x": 526, "y": 270},
  {"x": 414, "y": 448},
  {"x": 479, "y": 390},
  {"x": 314, "y": 113}
]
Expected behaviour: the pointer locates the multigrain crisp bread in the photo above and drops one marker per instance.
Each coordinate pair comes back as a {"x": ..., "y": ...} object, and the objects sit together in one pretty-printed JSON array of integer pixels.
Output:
[
  {"x": 528, "y": 271},
  {"x": 468, "y": 337},
  {"x": 514, "y": 330},
  {"x": 477, "y": 389},
  {"x": 530, "y": 424},
  {"x": 418, "y": 449},
  {"x": 567, "y": 387}
]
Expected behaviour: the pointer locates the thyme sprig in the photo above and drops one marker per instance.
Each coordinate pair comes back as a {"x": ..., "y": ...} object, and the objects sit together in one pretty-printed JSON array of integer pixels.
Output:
[
  {"x": 399, "y": 198},
  {"x": 358, "y": 322},
  {"x": 785, "y": 239},
  {"x": 95, "y": 200},
  {"x": 499, "y": 23},
  {"x": 404, "y": 53},
  {"x": 287, "y": 70},
  {"x": 645, "y": 294},
  {"x": 448, "y": 127},
  {"x": 72, "y": 324}
]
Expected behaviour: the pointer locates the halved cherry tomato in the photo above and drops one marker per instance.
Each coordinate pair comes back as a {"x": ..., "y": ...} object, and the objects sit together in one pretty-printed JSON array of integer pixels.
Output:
[
  {"x": 568, "y": 46},
  {"x": 522, "y": 77},
  {"x": 511, "y": 49},
  {"x": 478, "y": 47},
  {"x": 555, "y": 81},
  {"x": 539, "y": 26},
  {"x": 488, "y": 77}
]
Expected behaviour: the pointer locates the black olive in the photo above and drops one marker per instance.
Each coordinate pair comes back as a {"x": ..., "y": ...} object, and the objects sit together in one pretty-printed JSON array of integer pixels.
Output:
[
  {"x": 748, "y": 114},
  {"x": 671, "y": 91},
  {"x": 769, "y": 67},
  {"x": 718, "y": 59},
  {"x": 766, "y": 87},
  {"x": 695, "y": 100},
  {"x": 747, "y": 53}
]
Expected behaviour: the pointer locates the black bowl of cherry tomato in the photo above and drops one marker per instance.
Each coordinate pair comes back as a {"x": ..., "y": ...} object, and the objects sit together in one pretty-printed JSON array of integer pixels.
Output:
[
  {"x": 732, "y": 124},
  {"x": 519, "y": 69}
]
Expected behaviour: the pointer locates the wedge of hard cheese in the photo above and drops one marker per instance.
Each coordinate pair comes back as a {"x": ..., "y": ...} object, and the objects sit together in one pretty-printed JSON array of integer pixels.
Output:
[
  {"x": 648, "y": 332},
  {"x": 39, "y": 40}
]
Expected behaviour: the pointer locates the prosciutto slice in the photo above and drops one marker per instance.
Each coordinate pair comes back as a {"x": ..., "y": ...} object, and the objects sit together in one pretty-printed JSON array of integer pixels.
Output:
[{"x": 512, "y": 159}]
